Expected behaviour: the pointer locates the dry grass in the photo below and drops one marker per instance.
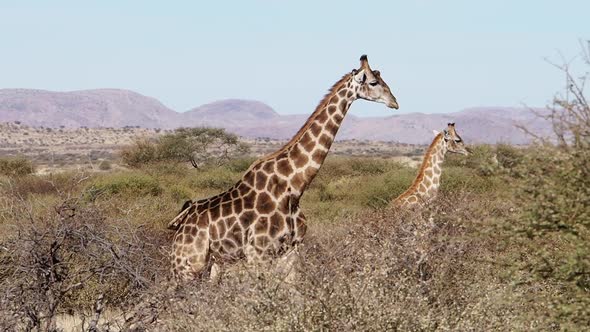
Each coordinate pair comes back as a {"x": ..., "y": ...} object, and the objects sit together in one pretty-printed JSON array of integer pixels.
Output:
[
  {"x": 56, "y": 149},
  {"x": 455, "y": 266}
]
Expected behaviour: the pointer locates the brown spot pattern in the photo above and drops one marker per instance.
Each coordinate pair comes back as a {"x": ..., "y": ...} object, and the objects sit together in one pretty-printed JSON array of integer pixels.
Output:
[
  {"x": 261, "y": 178},
  {"x": 249, "y": 200},
  {"x": 247, "y": 218},
  {"x": 264, "y": 204},
  {"x": 284, "y": 167}
]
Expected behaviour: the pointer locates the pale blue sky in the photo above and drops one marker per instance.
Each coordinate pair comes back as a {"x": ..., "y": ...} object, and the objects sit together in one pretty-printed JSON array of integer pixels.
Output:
[{"x": 437, "y": 56}]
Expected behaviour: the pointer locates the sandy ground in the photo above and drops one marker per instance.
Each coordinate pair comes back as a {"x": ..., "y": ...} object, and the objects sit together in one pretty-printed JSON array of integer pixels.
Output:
[{"x": 63, "y": 149}]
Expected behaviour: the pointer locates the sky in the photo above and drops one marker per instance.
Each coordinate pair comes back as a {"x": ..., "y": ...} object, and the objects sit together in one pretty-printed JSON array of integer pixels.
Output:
[{"x": 436, "y": 56}]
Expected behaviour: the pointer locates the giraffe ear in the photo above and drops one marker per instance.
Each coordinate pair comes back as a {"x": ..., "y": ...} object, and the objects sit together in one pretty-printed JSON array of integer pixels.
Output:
[
  {"x": 360, "y": 77},
  {"x": 446, "y": 134},
  {"x": 435, "y": 132}
]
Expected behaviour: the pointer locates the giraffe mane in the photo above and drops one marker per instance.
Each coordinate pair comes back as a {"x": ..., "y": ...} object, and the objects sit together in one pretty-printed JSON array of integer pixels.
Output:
[
  {"x": 181, "y": 216},
  {"x": 425, "y": 162},
  {"x": 323, "y": 103}
]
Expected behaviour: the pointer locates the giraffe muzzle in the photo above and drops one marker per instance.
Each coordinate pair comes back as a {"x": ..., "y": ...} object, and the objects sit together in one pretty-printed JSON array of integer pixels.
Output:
[{"x": 393, "y": 105}]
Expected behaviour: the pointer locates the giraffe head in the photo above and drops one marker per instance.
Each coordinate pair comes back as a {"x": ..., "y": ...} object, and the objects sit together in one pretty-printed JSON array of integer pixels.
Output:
[
  {"x": 371, "y": 86},
  {"x": 453, "y": 141}
]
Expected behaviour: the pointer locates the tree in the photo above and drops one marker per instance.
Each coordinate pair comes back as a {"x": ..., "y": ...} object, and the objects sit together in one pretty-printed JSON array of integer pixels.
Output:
[
  {"x": 199, "y": 146},
  {"x": 556, "y": 193}
]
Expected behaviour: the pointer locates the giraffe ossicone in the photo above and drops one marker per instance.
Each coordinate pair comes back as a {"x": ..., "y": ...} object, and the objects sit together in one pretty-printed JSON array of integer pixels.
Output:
[
  {"x": 424, "y": 188},
  {"x": 260, "y": 217}
]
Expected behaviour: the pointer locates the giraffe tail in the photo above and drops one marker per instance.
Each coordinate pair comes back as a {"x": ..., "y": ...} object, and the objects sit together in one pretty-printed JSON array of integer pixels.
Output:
[{"x": 179, "y": 219}]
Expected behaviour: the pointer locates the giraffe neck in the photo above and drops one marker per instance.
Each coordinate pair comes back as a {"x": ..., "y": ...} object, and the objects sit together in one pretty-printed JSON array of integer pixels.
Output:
[
  {"x": 428, "y": 180},
  {"x": 300, "y": 159}
]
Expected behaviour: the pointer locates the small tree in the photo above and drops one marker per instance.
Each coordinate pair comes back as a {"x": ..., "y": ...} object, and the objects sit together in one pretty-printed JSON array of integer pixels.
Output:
[
  {"x": 15, "y": 167},
  {"x": 142, "y": 151},
  {"x": 204, "y": 146},
  {"x": 556, "y": 194},
  {"x": 199, "y": 146}
]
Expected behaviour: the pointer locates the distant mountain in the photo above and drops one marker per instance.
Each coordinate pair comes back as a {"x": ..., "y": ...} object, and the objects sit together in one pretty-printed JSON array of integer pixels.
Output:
[
  {"x": 476, "y": 125},
  {"x": 91, "y": 108},
  {"x": 119, "y": 108},
  {"x": 231, "y": 113}
]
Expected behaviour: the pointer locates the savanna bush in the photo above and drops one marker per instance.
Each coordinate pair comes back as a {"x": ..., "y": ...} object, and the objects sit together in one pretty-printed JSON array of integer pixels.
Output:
[
  {"x": 200, "y": 146},
  {"x": 104, "y": 165},
  {"x": 374, "y": 269},
  {"x": 141, "y": 152},
  {"x": 456, "y": 179},
  {"x": 126, "y": 183},
  {"x": 377, "y": 271},
  {"x": 508, "y": 156},
  {"x": 65, "y": 261},
  {"x": 555, "y": 195},
  {"x": 180, "y": 193},
  {"x": 240, "y": 164},
  {"x": 219, "y": 178},
  {"x": 37, "y": 184},
  {"x": 15, "y": 167},
  {"x": 481, "y": 159}
]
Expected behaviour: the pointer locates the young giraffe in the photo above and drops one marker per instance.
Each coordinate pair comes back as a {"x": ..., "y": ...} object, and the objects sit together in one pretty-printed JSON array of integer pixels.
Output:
[
  {"x": 425, "y": 186},
  {"x": 260, "y": 216}
]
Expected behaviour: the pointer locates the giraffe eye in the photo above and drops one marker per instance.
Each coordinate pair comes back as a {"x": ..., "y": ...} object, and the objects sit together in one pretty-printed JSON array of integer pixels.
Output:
[
  {"x": 373, "y": 83},
  {"x": 457, "y": 140}
]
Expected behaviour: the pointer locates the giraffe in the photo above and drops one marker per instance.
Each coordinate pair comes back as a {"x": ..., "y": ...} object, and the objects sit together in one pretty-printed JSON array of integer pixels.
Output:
[
  {"x": 260, "y": 216},
  {"x": 426, "y": 183}
]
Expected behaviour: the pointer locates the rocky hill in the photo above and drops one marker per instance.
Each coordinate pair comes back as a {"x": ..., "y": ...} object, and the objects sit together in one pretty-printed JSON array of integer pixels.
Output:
[
  {"x": 120, "y": 108},
  {"x": 90, "y": 108}
]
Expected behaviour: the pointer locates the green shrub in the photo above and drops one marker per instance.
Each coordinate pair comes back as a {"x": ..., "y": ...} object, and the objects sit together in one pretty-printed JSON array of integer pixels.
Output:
[
  {"x": 370, "y": 166},
  {"x": 380, "y": 191},
  {"x": 200, "y": 146},
  {"x": 337, "y": 167},
  {"x": 141, "y": 152},
  {"x": 180, "y": 193},
  {"x": 215, "y": 178},
  {"x": 483, "y": 159},
  {"x": 15, "y": 167},
  {"x": 508, "y": 156},
  {"x": 456, "y": 179},
  {"x": 556, "y": 211},
  {"x": 239, "y": 165},
  {"x": 40, "y": 184},
  {"x": 124, "y": 184},
  {"x": 166, "y": 168},
  {"x": 374, "y": 191},
  {"x": 555, "y": 197},
  {"x": 105, "y": 165}
]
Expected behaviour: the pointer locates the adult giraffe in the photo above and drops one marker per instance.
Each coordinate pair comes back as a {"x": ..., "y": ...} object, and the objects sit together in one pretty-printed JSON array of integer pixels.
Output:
[
  {"x": 260, "y": 216},
  {"x": 425, "y": 185}
]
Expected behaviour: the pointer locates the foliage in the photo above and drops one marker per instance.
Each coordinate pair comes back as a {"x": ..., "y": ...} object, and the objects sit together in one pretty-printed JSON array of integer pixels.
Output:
[
  {"x": 128, "y": 184},
  {"x": 16, "y": 167},
  {"x": 200, "y": 146},
  {"x": 362, "y": 266},
  {"x": 141, "y": 152},
  {"x": 67, "y": 259},
  {"x": 508, "y": 156},
  {"x": 104, "y": 165},
  {"x": 556, "y": 198}
]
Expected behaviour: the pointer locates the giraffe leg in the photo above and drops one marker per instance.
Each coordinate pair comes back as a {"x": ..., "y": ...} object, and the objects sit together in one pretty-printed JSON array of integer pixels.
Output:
[
  {"x": 299, "y": 227},
  {"x": 287, "y": 265},
  {"x": 249, "y": 249},
  {"x": 199, "y": 260},
  {"x": 215, "y": 273},
  {"x": 191, "y": 253}
]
